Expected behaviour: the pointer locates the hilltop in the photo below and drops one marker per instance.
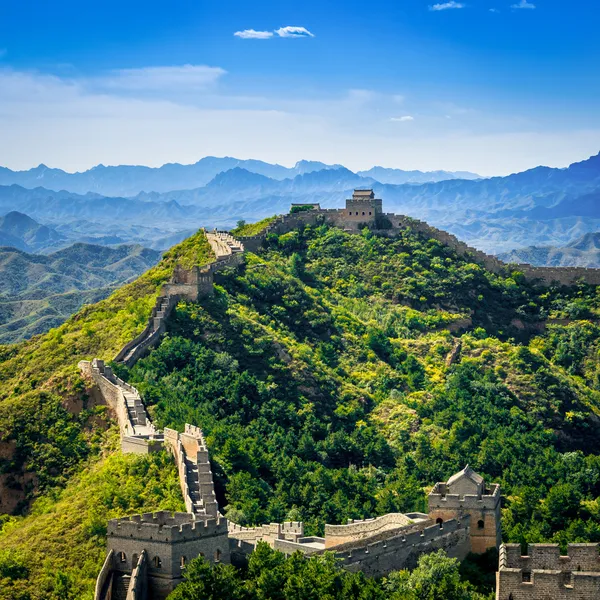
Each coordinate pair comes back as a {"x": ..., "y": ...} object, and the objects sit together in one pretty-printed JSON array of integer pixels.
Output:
[{"x": 335, "y": 375}]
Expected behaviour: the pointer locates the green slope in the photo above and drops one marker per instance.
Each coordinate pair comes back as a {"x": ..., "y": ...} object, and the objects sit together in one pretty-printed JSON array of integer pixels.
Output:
[{"x": 320, "y": 373}]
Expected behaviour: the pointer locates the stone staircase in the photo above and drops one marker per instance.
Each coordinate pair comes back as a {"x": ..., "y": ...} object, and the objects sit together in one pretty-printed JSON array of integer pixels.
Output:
[
  {"x": 223, "y": 244},
  {"x": 120, "y": 586},
  {"x": 193, "y": 481}
]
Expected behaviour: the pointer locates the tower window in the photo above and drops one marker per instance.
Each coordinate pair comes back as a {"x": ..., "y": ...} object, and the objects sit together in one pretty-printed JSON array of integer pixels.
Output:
[
  {"x": 363, "y": 213},
  {"x": 440, "y": 522},
  {"x": 122, "y": 557},
  {"x": 480, "y": 524},
  {"x": 157, "y": 562},
  {"x": 217, "y": 555},
  {"x": 182, "y": 561},
  {"x": 526, "y": 576}
]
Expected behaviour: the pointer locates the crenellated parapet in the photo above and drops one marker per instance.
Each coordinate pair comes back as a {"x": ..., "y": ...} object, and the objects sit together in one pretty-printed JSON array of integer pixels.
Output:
[
  {"x": 289, "y": 530},
  {"x": 356, "y": 530},
  {"x": 165, "y": 527},
  {"x": 544, "y": 573}
]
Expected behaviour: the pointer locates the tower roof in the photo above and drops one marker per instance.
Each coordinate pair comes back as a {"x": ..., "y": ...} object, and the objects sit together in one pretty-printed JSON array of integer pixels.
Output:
[{"x": 466, "y": 473}]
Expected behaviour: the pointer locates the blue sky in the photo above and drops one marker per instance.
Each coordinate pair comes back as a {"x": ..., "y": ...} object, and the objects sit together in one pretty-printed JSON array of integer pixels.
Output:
[{"x": 492, "y": 86}]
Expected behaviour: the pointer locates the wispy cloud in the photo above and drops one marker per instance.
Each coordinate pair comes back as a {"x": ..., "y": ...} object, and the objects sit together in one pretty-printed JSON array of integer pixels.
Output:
[
  {"x": 447, "y": 5},
  {"x": 403, "y": 119},
  {"x": 293, "y": 32},
  {"x": 163, "y": 78},
  {"x": 494, "y": 10},
  {"x": 524, "y": 4},
  {"x": 252, "y": 34}
]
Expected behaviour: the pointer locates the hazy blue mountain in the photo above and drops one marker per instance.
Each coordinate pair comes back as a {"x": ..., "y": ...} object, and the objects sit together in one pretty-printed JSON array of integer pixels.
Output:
[
  {"x": 582, "y": 252},
  {"x": 542, "y": 206},
  {"x": 39, "y": 292},
  {"x": 21, "y": 231},
  {"x": 129, "y": 180},
  {"x": 398, "y": 176}
]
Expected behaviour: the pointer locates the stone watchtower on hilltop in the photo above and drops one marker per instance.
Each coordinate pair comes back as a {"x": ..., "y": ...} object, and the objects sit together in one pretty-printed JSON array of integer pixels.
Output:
[
  {"x": 362, "y": 207},
  {"x": 466, "y": 493}
]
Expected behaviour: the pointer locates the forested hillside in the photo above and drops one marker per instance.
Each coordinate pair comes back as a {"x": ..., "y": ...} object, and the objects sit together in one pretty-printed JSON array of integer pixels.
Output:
[{"x": 335, "y": 376}]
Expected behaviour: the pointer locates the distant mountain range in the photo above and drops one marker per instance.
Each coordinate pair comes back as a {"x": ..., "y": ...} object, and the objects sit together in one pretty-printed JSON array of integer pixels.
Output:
[
  {"x": 582, "y": 252},
  {"x": 542, "y": 206},
  {"x": 39, "y": 292},
  {"x": 125, "y": 180}
]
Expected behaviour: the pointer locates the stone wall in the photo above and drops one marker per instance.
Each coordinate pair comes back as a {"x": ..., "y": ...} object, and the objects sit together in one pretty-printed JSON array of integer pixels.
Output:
[
  {"x": 138, "y": 585},
  {"x": 140, "y": 439},
  {"x": 403, "y": 551},
  {"x": 356, "y": 530},
  {"x": 103, "y": 581},
  {"x": 289, "y": 530},
  {"x": 543, "y": 573},
  {"x": 338, "y": 218},
  {"x": 171, "y": 540}
]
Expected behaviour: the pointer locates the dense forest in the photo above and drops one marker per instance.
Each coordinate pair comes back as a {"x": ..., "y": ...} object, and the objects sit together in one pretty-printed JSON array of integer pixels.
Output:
[{"x": 335, "y": 376}]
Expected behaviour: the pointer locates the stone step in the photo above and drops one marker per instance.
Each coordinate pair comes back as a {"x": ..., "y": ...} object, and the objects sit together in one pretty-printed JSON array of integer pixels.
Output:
[{"x": 120, "y": 586}]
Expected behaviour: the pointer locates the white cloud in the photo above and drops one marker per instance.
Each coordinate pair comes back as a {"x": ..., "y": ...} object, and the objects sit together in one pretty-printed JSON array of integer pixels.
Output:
[
  {"x": 252, "y": 34},
  {"x": 403, "y": 119},
  {"x": 494, "y": 10},
  {"x": 163, "y": 78},
  {"x": 447, "y": 5},
  {"x": 524, "y": 4},
  {"x": 293, "y": 32}
]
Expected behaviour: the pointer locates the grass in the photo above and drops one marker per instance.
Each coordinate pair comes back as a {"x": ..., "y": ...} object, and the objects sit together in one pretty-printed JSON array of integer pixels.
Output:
[{"x": 249, "y": 229}]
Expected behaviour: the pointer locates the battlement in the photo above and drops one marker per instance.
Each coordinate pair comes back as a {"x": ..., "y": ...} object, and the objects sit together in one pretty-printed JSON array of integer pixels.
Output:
[
  {"x": 165, "y": 527},
  {"x": 579, "y": 557},
  {"x": 360, "y": 529},
  {"x": 543, "y": 573},
  {"x": 289, "y": 530},
  {"x": 402, "y": 551},
  {"x": 439, "y": 498}
]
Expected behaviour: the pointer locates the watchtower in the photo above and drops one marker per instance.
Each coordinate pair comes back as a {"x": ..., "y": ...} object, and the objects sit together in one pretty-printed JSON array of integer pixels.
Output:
[
  {"x": 170, "y": 541},
  {"x": 466, "y": 493},
  {"x": 363, "y": 207}
]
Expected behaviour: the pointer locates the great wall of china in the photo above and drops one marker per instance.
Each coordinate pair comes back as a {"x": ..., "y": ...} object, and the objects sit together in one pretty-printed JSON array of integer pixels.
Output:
[{"x": 147, "y": 554}]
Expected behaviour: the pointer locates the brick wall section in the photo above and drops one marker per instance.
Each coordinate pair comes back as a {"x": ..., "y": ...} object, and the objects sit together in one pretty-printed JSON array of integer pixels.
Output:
[
  {"x": 138, "y": 586},
  {"x": 104, "y": 577},
  {"x": 403, "y": 551},
  {"x": 356, "y": 530},
  {"x": 543, "y": 573},
  {"x": 289, "y": 530}
]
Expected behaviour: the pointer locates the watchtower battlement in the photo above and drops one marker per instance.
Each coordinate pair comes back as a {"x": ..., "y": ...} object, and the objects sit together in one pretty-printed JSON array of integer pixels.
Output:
[
  {"x": 543, "y": 573},
  {"x": 165, "y": 527},
  {"x": 579, "y": 557},
  {"x": 466, "y": 493}
]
